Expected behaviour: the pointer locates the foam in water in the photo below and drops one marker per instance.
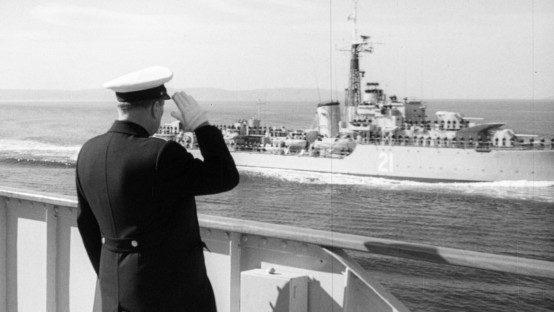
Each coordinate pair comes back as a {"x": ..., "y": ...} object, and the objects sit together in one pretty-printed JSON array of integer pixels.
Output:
[
  {"x": 525, "y": 190},
  {"x": 33, "y": 150}
]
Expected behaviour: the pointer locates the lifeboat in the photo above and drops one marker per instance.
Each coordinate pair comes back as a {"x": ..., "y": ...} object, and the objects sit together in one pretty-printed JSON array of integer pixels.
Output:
[
  {"x": 295, "y": 143},
  {"x": 334, "y": 146}
]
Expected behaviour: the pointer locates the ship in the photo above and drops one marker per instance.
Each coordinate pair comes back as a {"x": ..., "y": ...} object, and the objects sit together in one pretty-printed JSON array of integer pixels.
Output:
[{"x": 378, "y": 135}]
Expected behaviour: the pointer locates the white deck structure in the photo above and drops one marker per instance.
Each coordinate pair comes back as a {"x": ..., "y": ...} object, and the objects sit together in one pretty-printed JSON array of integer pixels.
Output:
[{"x": 43, "y": 266}]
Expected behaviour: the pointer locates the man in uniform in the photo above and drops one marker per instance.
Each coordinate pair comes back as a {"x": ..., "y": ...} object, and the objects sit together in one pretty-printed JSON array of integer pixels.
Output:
[{"x": 136, "y": 193}]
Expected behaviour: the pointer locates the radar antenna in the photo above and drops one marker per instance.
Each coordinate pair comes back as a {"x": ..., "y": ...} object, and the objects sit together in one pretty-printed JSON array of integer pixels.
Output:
[{"x": 354, "y": 18}]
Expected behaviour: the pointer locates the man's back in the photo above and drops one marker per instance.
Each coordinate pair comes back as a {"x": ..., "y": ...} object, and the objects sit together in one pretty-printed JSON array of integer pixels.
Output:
[
  {"x": 140, "y": 192},
  {"x": 124, "y": 165}
]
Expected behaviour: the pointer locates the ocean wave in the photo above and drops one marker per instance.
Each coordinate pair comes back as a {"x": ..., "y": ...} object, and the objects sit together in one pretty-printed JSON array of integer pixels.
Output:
[
  {"x": 542, "y": 191},
  {"x": 37, "y": 151},
  {"x": 34, "y": 162}
]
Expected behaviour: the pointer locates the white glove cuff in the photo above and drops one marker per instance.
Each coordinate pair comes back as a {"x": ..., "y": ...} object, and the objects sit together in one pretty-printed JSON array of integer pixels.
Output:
[{"x": 196, "y": 120}]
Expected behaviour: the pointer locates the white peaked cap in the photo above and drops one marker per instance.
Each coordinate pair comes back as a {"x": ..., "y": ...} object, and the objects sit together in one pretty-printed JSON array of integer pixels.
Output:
[
  {"x": 142, "y": 84},
  {"x": 143, "y": 79}
]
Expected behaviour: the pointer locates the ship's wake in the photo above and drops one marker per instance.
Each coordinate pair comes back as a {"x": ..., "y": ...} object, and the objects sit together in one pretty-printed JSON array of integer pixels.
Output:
[
  {"x": 542, "y": 191},
  {"x": 34, "y": 152}
]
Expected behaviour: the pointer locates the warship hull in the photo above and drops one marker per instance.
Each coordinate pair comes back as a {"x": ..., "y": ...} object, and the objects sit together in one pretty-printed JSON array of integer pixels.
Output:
[{"x": 416, "y": 163}]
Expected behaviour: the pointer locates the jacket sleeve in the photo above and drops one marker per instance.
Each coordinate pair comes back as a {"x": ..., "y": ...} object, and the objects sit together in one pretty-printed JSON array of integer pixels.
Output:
[
  {"x": 179, "y": 171},
  {"x": 89, "y": 229}
]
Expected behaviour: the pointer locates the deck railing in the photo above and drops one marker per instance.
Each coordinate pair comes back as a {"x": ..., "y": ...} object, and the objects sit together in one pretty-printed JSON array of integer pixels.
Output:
[
  {"x": 59, "y": 214},
  {"x": 171, "y": 133}
]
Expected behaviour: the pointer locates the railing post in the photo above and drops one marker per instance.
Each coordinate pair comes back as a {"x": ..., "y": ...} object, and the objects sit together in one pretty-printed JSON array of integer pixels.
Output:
[
  {"x": 51, "y": 255},
  {"x": 58, "y": 234},
  {"x": 8, "y": 258},
  {"x": 3, "y": 254},
  {"x": 235, "y": 258}
]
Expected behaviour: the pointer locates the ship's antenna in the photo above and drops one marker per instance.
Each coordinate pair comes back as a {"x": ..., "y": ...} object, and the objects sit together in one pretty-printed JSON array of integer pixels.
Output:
[
  {"x": 259, "y": 103},
  {"x": 354, "y": 18},
  {"x": 330, "y": 49},
  {"x": 316, "y": 80}
]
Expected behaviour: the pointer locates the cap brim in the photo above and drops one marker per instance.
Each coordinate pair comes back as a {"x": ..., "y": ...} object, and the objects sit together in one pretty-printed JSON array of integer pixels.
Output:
[{"x": 158, "y": 92}]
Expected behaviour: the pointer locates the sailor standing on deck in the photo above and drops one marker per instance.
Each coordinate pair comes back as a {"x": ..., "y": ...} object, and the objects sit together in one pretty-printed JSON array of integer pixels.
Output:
[{"x": 136, "y": 194}]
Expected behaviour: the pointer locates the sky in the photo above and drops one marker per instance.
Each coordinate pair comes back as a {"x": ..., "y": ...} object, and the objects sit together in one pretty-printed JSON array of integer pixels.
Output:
[{"x": 466, "y": 49}]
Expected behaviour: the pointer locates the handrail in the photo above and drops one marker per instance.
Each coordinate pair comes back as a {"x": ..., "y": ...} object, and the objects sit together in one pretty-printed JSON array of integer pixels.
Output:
[{"x": 387, "y": 247}]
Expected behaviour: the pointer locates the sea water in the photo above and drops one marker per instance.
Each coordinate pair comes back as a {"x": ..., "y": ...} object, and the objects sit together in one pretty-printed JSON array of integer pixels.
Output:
[{"x": 39, "y": 142}]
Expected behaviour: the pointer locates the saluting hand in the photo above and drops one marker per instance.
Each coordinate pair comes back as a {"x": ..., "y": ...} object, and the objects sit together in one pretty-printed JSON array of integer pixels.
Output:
[{"x": 192, "y": 115}]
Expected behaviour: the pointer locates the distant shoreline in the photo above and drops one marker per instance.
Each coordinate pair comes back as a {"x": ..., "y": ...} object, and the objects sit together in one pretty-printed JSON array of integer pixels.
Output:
[{"x": 208, "y": 94}]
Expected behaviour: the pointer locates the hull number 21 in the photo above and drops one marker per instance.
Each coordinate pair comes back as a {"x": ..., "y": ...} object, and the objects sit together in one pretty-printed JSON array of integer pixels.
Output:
[{"x": 386, "y": 162}]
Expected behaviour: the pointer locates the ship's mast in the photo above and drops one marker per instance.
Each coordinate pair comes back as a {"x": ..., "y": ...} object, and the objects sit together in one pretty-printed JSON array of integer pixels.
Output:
[
  {"x": 358, "y": 46},
  {"x": 354, "y": 19}
]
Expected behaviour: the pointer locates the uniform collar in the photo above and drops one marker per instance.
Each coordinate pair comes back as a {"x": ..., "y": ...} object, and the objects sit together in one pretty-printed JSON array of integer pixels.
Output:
[{"x": 128, "y": 127}]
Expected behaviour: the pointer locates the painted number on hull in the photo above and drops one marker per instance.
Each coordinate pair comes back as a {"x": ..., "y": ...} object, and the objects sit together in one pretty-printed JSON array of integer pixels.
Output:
[{"x": 386, "y": 162}]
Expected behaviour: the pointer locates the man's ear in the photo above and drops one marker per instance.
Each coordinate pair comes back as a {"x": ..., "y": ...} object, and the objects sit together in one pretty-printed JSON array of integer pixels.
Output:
[{"x": 154, "y": 109}]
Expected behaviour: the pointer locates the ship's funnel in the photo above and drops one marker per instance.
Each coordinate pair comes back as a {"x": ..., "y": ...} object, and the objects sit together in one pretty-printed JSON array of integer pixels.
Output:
[
  {"x": 328, "y": 116},
  {"x": 254, "y": 122},
  {"x": 370, "y": 98},
  {"x": 372, "y": 93}
]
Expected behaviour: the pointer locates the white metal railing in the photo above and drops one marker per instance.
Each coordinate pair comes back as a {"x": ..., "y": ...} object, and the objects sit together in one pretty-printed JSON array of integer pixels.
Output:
[
  {"x": 59, "y": 215},
  {"x": 235, "y": 236}
]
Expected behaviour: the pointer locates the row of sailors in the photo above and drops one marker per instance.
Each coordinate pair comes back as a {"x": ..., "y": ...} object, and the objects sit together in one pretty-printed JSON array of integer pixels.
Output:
[
  {"x": 273, "y": 131},
  {"x": 266, "y": 128},
  {"x": 258, "y": 147},
  {"x": 282, "y": 131},
  {"x": 168, "y": 129},
  {"x": 446, "y": 142},
  {"x": 281, "y": 149},
  {"x": 428, "y": 125},
  {"x": 277, "y": 132}
]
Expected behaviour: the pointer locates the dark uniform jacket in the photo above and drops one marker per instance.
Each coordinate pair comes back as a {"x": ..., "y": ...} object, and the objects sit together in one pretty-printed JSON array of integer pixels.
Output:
[{"x": 138, "y": 216}]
